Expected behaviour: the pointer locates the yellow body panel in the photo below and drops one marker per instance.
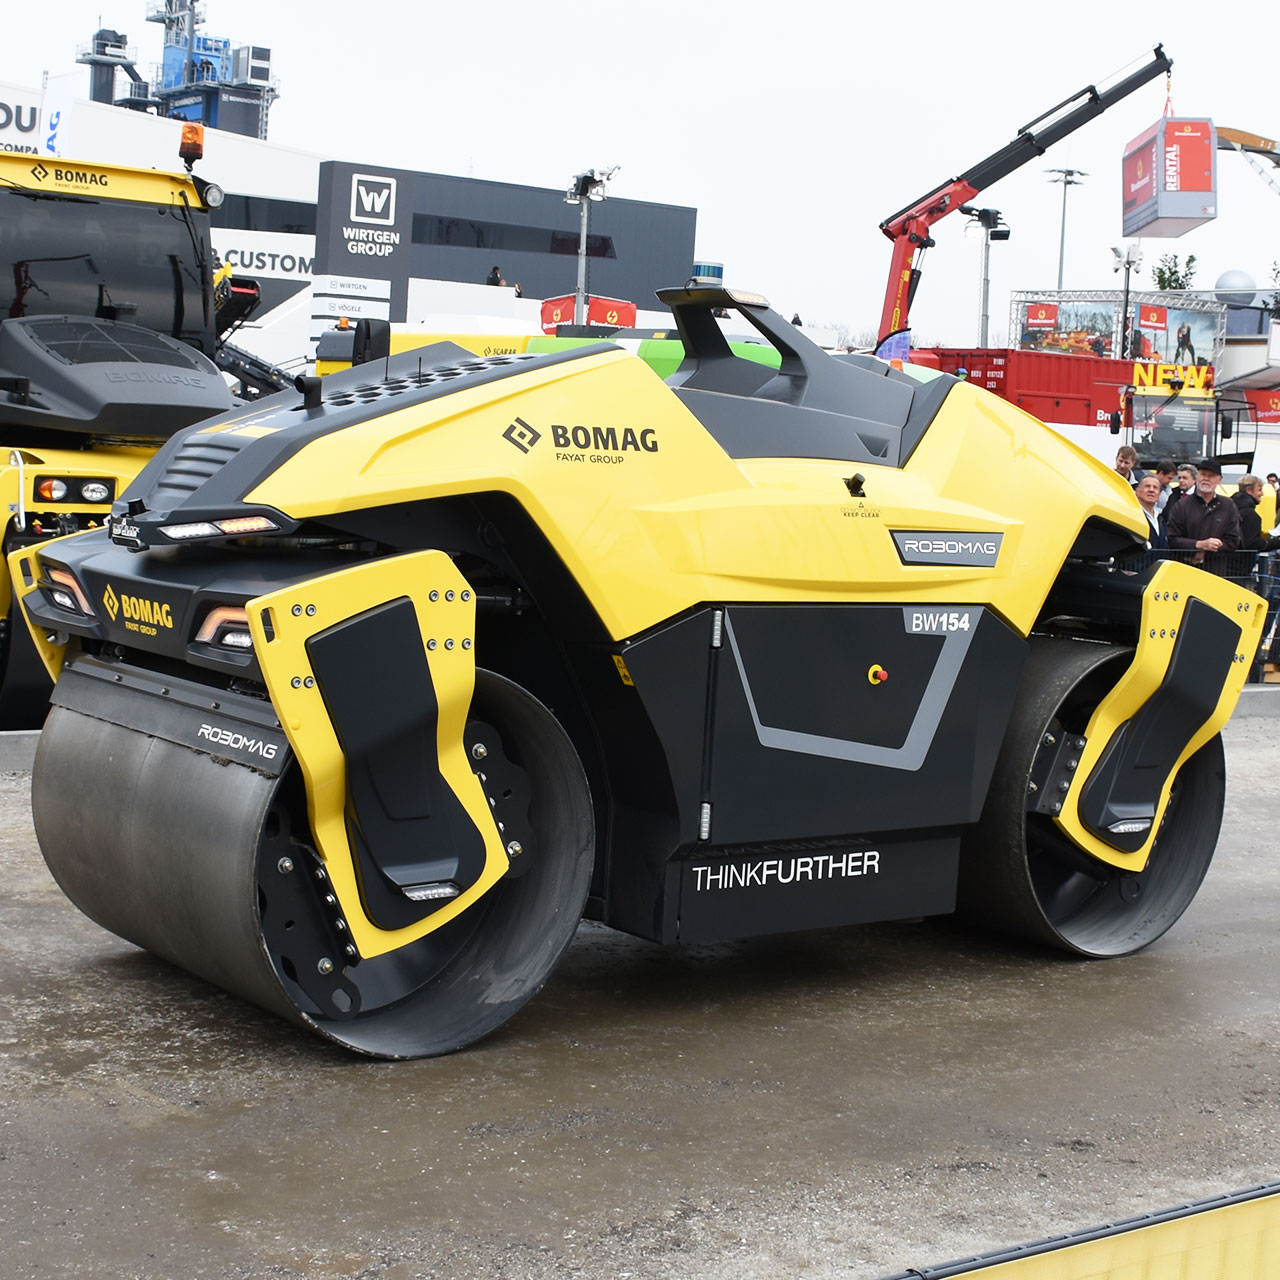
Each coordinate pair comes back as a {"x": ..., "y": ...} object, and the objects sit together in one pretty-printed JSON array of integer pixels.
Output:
[
  {"x": 17, "y": 482},
  {"x": 23, "y": 567},
  {"x": 648, "y": 533},
  {"x": 481, "y": 344},
  {"x": 282, "y": 622},
  {"x": 98, "y": 181}
]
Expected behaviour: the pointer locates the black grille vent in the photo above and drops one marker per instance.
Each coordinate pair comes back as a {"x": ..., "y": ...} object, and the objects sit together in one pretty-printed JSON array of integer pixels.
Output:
[
  {"x": 196, "y": 461},
  {"x": 368, "y": 392}
]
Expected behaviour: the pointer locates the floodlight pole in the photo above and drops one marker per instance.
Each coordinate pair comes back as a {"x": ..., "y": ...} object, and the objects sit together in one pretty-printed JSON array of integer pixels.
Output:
[
  {"x": 580, "y": 294},
  {"x": 584, "y": 188},
  {"x": 1129, "y": 260},
  {"x": 1068, "y": 178},
  {"x": 985, "y": 309},
  {"x": 993, "y": 228}
]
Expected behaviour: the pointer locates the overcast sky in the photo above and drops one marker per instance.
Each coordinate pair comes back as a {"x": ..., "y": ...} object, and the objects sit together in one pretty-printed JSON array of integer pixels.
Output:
[{"x": 794, "y": 127}]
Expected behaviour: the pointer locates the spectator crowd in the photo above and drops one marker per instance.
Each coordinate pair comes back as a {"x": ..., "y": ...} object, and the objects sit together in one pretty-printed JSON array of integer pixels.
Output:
[{"x": 1186, "y": 512}]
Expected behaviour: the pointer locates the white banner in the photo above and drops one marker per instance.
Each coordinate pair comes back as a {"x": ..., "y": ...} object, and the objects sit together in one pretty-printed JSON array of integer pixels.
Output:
[
  {"x": 351, "y": 287},
  {"x": 19, "y": 118},
  {"x": 335, "y": 308},
  {"x": 268, "y": 255},
  {"x": 57, "y": 111}
]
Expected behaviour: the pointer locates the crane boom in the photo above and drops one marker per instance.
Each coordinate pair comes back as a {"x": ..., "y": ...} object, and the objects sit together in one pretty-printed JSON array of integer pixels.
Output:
[{"x": 909, "y": 227}]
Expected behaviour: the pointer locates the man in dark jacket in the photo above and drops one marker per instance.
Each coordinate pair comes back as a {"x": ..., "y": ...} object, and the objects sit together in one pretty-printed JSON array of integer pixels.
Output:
[
  {"x": 1246, "y": 498},
  {"x": 1205, "y": 520}
]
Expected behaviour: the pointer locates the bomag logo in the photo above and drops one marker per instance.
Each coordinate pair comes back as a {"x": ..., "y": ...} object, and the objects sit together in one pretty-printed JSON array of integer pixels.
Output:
[
  {"x": 144, "y": 616},
  {"x": 522, "y": 435},
  {"x": 607, "y": 445},
  {"x": 140, "y": 609},
  {"x": 71, "y": 177}
]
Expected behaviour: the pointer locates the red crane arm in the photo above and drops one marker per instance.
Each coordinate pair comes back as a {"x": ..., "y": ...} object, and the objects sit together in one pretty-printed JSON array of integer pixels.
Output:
[{"x": 909, "y": 231}]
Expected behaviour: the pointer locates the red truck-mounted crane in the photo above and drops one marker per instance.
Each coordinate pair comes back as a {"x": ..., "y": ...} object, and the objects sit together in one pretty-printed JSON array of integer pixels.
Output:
[{"x": 909, "y": 228}]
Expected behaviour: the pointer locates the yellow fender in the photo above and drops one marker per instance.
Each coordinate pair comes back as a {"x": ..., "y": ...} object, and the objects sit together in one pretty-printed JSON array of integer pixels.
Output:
[
  {"x": 24, "y": 573},
  {"x": 283, "y": 622},
  {"x": 1169, "y": 594}
]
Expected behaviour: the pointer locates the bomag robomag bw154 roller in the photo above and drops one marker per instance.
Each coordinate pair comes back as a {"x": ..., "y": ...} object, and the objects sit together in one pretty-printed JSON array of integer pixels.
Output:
[{"x": 370, "y": 692}]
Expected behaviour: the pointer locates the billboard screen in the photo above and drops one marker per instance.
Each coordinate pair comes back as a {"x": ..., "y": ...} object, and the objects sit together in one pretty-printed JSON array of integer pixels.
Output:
[{"x": 1165, "y": 327}]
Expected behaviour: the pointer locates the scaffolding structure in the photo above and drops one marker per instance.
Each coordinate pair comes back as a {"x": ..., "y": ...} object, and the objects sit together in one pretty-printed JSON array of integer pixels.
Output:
[{"x": 1113, "y": 301}]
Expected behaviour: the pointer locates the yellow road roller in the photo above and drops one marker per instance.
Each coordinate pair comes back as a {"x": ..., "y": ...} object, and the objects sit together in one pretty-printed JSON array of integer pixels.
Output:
[{"x": 368, "y": 692}]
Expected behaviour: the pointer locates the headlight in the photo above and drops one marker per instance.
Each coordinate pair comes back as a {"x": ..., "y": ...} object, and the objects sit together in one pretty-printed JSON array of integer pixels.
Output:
[
  {"x": 66, "y": 593},
  {"x": 179, "y": 532},
  {"x": 213, "y": 195},
  {"x": 226, "y": 626},
  {"x": 70, "y": 489},
  {"x": 233, "y": 527}
]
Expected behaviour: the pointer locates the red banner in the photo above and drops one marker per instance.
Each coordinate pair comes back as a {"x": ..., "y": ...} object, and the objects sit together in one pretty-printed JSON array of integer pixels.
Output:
[
  {"x": 1188, "y": 155},
  {"x": 1152, "y": 317},
  {"x": 613, "y": 312},
  {"x": 1042, "y": 315},
  {"x": 1266, "y": 406},
  {"x": 1139, "y": 169},
  {"x": 556, "y": 311}
]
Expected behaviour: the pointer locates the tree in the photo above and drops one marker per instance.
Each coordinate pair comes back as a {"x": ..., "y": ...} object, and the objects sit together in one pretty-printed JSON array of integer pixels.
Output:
[
  {"x": 1170, "y": 274},
  {"x": 1275, "y": 283}
]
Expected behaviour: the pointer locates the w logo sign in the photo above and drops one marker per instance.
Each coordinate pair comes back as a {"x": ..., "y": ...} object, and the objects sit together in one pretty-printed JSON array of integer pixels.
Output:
[{"x": 373, "y": 199}]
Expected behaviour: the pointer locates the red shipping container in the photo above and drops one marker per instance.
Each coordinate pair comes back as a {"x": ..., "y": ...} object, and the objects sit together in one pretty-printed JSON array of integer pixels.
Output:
[{"x": 1072, "y": 390}]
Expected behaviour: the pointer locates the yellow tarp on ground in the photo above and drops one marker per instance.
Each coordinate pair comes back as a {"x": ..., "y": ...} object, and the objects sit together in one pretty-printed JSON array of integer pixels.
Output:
[{"x": 1230, "y": 1237}]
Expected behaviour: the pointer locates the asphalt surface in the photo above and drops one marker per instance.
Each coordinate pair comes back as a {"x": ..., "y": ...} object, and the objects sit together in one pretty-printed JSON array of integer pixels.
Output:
[{"x": 839, "y": 1104}]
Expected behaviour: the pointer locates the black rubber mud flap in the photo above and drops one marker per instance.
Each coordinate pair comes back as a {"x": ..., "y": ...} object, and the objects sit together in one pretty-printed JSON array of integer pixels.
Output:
[
  {"x": 407, "y": 827},
  {"x": 25, "y": 685}
]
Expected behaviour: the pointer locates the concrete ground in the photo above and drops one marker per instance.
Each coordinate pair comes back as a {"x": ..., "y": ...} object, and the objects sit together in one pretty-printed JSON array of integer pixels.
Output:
[{"x": 839, "y": 1104}]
